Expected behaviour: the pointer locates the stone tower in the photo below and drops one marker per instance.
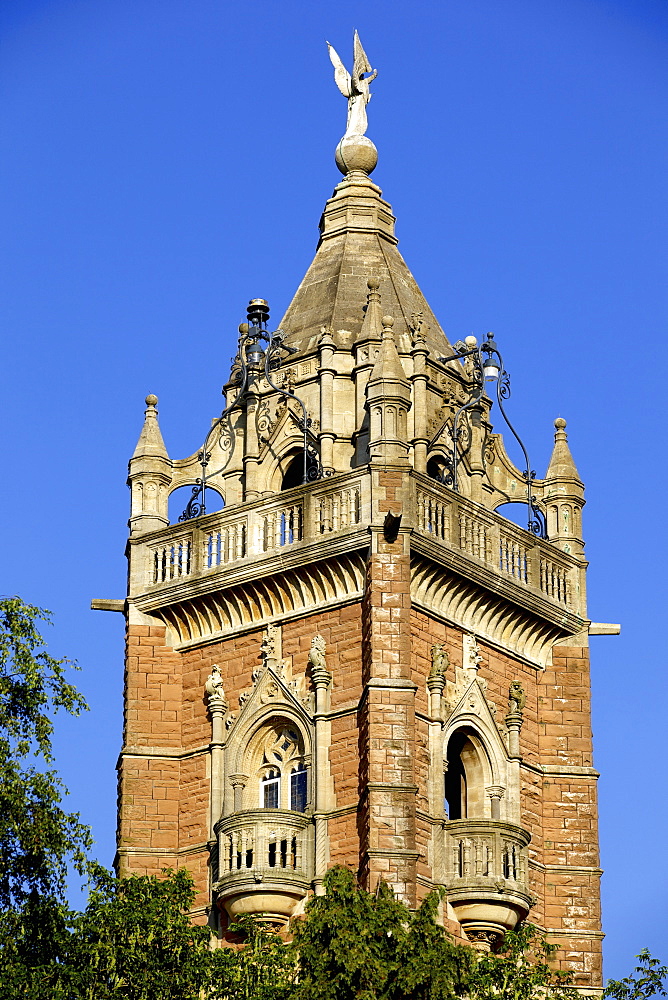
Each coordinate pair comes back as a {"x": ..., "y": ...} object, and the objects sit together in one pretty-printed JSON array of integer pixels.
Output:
[{"x": 350, "y": 656}]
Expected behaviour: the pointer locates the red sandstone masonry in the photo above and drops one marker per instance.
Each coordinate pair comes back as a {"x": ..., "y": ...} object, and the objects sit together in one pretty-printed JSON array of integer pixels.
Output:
[{"x": 163, "y": 804}]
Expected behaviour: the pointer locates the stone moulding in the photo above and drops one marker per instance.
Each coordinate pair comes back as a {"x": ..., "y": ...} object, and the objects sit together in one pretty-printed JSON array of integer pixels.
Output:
[
  {"x": 459, "y": 601},
  {"x": 317, "y": 586}
]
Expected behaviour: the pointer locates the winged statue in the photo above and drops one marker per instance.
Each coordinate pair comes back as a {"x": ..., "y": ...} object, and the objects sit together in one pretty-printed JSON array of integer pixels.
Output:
[{"x": 354, "y": 86}]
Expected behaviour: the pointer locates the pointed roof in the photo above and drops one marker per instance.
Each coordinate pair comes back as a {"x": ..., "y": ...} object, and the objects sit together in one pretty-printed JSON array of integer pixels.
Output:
[
  {"x": 561, "y": 464},
  {"x": 388, "y": 366},
  {"x": 150, "y": 443},
  {"x": 357, "y": 242}
]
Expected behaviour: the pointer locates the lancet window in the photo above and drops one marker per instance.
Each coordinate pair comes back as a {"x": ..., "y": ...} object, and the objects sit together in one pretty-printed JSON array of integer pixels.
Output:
[{"x": 464, "y": 777}]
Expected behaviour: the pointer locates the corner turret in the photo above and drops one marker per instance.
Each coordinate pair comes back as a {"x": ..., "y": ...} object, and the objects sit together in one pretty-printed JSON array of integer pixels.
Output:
[
  {"x": 564, "y": 495},
  {"x": 149, "y": 476}
]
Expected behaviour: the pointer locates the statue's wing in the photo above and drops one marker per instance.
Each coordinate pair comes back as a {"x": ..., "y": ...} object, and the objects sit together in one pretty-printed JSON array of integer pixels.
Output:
[
  {"x": 341, "y": 74},
  {"x": 360, "y": 62}
]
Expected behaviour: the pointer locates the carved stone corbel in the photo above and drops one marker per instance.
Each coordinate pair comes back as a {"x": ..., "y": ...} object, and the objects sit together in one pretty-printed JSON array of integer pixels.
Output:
[
  {"x": 440, "y": 661},
  {"x": 517, "y": 699}
]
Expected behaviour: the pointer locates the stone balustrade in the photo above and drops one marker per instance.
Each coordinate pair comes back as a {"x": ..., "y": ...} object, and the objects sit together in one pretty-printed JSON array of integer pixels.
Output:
[
  {"x": 265, "y": 861},
  {"x": 486, "y": 874},
  {"x": 344, "y": 503},
  {"x": 504, "y": 547}
]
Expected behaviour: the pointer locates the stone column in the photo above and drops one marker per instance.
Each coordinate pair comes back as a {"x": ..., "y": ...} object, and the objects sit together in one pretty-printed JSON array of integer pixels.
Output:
[
  {"x": 323, "y": 733},
  {"x": 495, "y": 793},
  {"x": 514, "y": 719},
  {"x": 419, "y": 380},
  {"x": 327, "y": 373},
  {"x": 238, "y": 782},
  {"x": 217, "y": 705},
  {"x": 251, "y": 450}
]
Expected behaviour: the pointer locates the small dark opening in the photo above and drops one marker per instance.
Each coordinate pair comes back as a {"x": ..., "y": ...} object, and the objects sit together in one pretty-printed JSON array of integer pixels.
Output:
[
  {"x": 455, "y": 778},
  {"x": 436, "y": 469},
  {"x": 294, "y": 474},
  {"x": 272, "y": 855}
]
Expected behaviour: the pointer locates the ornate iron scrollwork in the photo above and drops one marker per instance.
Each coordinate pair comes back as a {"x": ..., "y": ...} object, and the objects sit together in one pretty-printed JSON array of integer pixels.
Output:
[{"x": 487, "y": 363}]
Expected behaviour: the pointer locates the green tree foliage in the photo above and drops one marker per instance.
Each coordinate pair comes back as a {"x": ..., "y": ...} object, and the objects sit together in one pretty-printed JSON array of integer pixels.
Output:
[
  {"x": 520, "y": 970},
  {"x": 648, "y": 980},
  {"x": 37, "y": 837},
  {"x": 371, "y": 947}
]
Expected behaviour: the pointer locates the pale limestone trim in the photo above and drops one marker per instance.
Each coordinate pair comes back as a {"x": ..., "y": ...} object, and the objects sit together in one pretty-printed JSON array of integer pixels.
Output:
[
  {"x": 561, "y": 770},
  {"x": 587, "y": 935},
  {"x": 162, "y": 851},
  {"x": 565, "y": 869},
  {"x": 164, "y": 753},
  {"x": 288, "y": 594}
]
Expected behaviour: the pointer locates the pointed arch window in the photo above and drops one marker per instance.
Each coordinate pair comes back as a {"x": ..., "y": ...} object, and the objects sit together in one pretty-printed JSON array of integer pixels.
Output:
[
  {"x": 283, "y": 778},
  {"x": 464, "y": 780}
]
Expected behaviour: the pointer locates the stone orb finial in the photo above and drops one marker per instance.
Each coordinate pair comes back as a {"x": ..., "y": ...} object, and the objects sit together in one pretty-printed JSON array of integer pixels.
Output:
[
  {"x": 388, "y": 321},
  {"x": 560, "y": 423},
  {"x": 356, "y": 152},
  {"x": 471, "y": 341},
  {"x": 373, "y": 284},
  {"x": 151, "y": 400}
]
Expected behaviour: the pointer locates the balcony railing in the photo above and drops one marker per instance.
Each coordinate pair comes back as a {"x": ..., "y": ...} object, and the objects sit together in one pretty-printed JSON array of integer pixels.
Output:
[
  {"x": 265, "y": 860},
  {"x": 331, "y": 507},
  {"x": 486, "y": 875},
  {"x": 503, "y": 547}
]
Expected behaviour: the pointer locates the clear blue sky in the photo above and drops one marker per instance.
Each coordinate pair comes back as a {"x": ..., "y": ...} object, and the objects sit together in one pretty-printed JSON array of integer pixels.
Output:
[{"x": 164, "y": 161}]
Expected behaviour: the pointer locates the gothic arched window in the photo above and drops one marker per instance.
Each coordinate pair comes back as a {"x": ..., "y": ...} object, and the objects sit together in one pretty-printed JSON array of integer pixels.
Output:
[
  {"x": 464, "y": 779},
  {"x": 282, "y": 772}
]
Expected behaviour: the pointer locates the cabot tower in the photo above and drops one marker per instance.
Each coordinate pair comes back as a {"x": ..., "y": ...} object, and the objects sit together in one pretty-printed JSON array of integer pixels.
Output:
[{"x": 344, "y": 652}]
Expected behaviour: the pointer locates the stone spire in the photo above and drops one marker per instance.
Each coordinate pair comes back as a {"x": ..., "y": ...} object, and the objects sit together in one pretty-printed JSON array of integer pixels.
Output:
[
  {"x": 150, "y": 475},
  {"x": 564, "y": 495},
  {"x": 356, "y": 240},
  {"x": 150, "y": 443},
  {"x": 561, "y": 464}
]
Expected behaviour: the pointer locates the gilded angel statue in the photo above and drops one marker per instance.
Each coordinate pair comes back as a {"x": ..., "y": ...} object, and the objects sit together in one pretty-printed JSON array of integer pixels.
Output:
[{"x": 354, "y": 86}]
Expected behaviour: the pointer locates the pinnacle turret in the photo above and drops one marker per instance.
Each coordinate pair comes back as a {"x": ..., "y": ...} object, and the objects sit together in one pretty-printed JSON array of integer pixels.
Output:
[
  {"x": 150, "y": 475},
  {"x": 561, "y": 464},
  {"x": 150, "y": 443}
]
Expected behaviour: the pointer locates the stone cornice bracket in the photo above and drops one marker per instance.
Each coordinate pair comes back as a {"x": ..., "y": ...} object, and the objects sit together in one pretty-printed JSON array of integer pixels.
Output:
[
  {"x": 440, "y": 661},
  {"x": 515, "y": 717}
]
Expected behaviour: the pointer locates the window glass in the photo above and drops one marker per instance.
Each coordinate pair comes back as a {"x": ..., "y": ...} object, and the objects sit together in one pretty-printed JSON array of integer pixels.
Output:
[
  {"x": 269, "y": 792},
  {"x": 298, "y": 790}
]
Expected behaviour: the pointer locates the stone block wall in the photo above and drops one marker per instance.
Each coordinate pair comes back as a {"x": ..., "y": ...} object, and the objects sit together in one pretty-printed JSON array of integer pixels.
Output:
[{"x": 379, "y": 754}]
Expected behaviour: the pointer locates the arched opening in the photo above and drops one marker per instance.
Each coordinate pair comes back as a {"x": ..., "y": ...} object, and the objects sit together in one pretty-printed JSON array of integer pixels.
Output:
[
  {"x": 294, "y": 474},
  {"x": 437, "y": 469},
  {"x": 180, "y": 498},
  {"x": 281, "y": 767},
  {"x": 464, "y": 779}
]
